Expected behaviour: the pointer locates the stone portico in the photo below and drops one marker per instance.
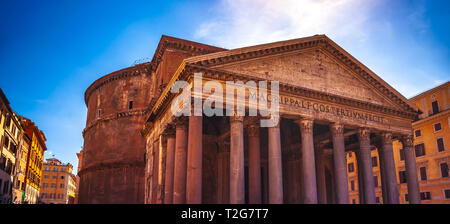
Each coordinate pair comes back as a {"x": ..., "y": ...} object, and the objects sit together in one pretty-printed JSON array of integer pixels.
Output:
[{"x": 329, "y": 104}]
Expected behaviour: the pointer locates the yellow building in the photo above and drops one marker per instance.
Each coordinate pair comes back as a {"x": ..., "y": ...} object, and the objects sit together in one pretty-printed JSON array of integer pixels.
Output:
[
  {"x": 431, "y": 146},
  {"x": 59, "y": 184},
  {"x": 35, "y": 159},
  {"x": 21, "y": 169}
]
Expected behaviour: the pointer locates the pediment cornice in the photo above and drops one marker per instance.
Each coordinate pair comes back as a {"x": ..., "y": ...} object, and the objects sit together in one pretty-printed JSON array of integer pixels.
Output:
[{"x": 187, "y": 71}]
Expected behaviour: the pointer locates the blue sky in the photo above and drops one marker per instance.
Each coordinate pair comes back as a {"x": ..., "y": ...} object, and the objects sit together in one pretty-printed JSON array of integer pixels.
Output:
[{"x": 51, "y": 51}]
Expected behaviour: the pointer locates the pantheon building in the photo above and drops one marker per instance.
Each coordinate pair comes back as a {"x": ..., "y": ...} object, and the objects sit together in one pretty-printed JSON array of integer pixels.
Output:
[{"x": 136, "y": 150}]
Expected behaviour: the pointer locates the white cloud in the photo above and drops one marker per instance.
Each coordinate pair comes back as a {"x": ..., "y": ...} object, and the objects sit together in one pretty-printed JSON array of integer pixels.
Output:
[{"x": 241, "y": 23}]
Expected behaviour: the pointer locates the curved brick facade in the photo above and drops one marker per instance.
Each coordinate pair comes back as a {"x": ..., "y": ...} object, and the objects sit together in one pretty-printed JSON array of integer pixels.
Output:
[{"x": 113, "y": 160}]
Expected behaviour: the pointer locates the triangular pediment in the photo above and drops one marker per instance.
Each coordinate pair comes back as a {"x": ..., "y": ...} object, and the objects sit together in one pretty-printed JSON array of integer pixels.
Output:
[
  {"x": 310, "y": 69},
  {"x": 315, "y": 63}
]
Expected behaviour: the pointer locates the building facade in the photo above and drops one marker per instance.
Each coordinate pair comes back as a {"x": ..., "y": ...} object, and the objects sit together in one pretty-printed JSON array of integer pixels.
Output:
[
  {"x": 58, "y": 183},
  {"x": 21, "y": 169},
  {"x": 330, "y": 107},
  {"x": 431, "y": 147},
  {"x": 35, "y": 160},
  {"x": 10, "y": 143}
]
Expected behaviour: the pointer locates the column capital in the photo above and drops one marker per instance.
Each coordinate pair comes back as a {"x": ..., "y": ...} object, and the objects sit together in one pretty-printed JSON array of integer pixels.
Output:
[
  {"x": 236, "y": 118},
  {"x": 337, "y": 129},
  {"x": 386, "y": 137},
  {"x": 407, "y": 140},
  {"x": 305, "y": 124},
  {"x": 253, "y": 130},
  {"x": 181, "y": 122},
  {"x": 364, "y": 134},
  {"x": 169, "y": 131}
]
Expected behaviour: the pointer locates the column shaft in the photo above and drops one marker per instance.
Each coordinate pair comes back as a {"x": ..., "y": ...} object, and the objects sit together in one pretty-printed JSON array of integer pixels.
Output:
[
  {"x": 340, "y": 165},
  {"x": 389, "y": 172},
  {"x": 366, "y": 166},
  {"x": 411, "y": 170},
  {"x": 237, "y": 179},
  {"x": 179, "y": 181},
  {"x": 308, "y": 162},
  {"x": 275, "y": 166},
  {"x": 194, "y": 161},
  {"x": 168, "y": 188},
  {"x": 254, "y": 165}
]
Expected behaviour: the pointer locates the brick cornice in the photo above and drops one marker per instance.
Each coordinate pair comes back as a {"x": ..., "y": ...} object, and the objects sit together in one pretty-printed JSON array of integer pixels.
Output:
[
  {"x": 114, "y": 116},
  {"x": 117, "y": 75},
  {"x": 102, "y": 166}
]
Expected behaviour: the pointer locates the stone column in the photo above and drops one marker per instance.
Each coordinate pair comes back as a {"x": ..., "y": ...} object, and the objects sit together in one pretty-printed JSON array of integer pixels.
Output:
[
  {"x": 237, "y": 179},
  {"x": 389, "y": 172},
  {"x": 275, "y": 165},
  {"x": 161, "y": 168},
  {"x": 340, "y": 165},
  {"x": 223, "y": 173},
  {"x": 411, "y": 170},
  {"x": 254, "y": 164},
  {"x": 170, "y": 162},
  {"x": 179, "y": 180},
  {"x": 308, "y": 161},
  {"x": 194, "y": 161},
  {"x": 366, "y": 166}
]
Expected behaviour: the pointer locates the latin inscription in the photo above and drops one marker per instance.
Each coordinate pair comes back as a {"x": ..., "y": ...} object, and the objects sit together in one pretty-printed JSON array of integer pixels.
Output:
[{"x": 319, "y": 107}]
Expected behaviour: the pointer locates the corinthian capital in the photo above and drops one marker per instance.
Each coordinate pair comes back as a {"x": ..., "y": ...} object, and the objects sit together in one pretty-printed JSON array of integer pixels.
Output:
[
  {"x": 407, "y": 141},
  {"x": 386, "y": 138},
  {"x": 337, "y": 129},
  {"x": 306, "y": 125},
  {"x": 364, "y": 134}
]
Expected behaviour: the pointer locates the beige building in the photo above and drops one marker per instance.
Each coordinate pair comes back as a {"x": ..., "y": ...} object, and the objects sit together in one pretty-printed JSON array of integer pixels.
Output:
[
  {"x": 10, "y": 143},
  {"x": 58, "y": 183}
]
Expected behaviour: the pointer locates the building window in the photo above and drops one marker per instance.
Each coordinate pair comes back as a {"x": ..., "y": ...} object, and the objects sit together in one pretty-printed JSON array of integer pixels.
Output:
[
  {"x": 45, "y": 176},
  {"x": 374, "y": 161},
  {"x": 351, "y": 168},
  {"x": 130, "y": 105},
  {"x": 377, "y": 200},
  {"x": 55, "y": 169},
  {"x": 406, "y": 197},
  {"x": 435, "y": 107},
  {"x": 54, "y": 177},
  {"x": 419, "y": 149},
  {"x": 437, "y": 127},
  {"x": 350, "y": 155},
  {"x": 444, "y": 169},
  {"x": 447, "y": 193},
  {"x": 418, "y": 133},
  {"x": 61, "y": 186},
  {"x": 63, "y": 169},
  {"x": 402, "y": 154},
  {"x": 440, "y": 144},
  {"x": 45, "y": 185},
  {"x": 353, "y": 201},
  {"x": 423, "y": 173},
  {"x": 402, "y": 176},
  {"x": 375, "y": 181},
  {"x": 352, "y": 185},
  {"x": 62, "y": 177},
  {"x": 425, "y": 195}
]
